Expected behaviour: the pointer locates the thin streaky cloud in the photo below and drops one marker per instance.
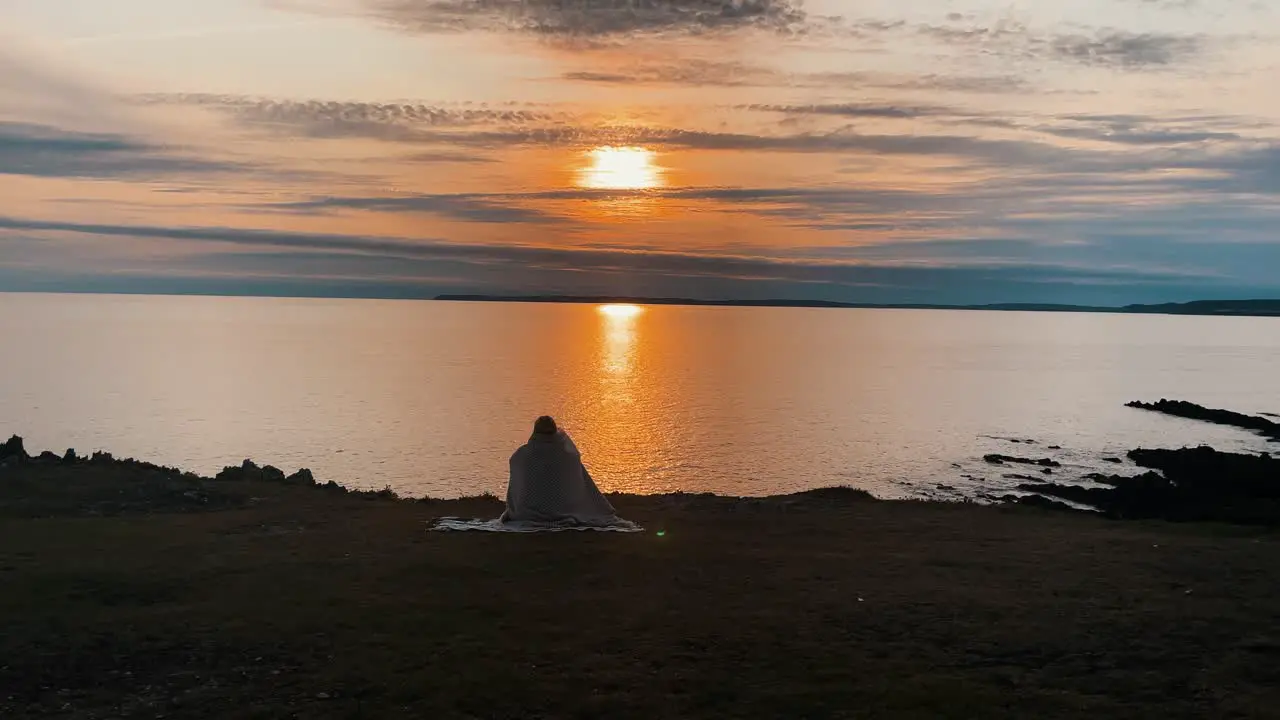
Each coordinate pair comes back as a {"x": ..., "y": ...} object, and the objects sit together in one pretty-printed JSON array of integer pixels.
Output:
[{"x": 590, "y": 18}]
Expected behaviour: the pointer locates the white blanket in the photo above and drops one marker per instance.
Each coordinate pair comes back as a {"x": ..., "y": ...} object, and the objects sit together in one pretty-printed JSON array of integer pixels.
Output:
[
  {"x": 550, "y": 484},
  {"x": 451, "y": 524}
]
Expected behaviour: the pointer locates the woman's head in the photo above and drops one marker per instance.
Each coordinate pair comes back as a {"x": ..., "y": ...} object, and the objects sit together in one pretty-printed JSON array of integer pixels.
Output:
[{"x": 545, "y": 425}]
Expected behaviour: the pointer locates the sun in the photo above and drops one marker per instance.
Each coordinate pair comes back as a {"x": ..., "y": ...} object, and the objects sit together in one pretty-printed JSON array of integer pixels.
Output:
[
  {"x": 620, "y": 168},
  {"x": 621, "y": 311}
]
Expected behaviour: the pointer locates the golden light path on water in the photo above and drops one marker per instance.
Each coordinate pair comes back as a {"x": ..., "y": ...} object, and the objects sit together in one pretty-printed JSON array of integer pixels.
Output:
[
  {"x": 620, "y": 345},
  {"x": 621, "y": 421}
]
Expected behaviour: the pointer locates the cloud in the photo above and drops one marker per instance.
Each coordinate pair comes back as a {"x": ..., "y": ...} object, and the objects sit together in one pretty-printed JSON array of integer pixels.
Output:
[
  {"x": 288, "y": 111},
  {"x": 1108, "y": 48},
  {"x": 1003, "y": 33},
  {"x": 43, "y": 151},
  {"x": 969, "y": 84},
  {"x": 552, "y": 269},
  {"x": 1125, "y": 134},
  {"x": 826, "y": 209},
  {"x": 1253, "y": 170},
  {"x": 859, "y": 110},
  {"x": 501, "y": 128},
  {"x": 697, "y": 72},
  {"x": 482, "y": 208},
  {"x": 742, "y": 199},
  {"x": 446, "y": 156},
  {"x": 977, "y": 150},
  {"x": 402, "y": 122},
  {"x": 688, "y": 72},
  {"x": 591, "y": 18},
  {"x": 1132, "y": 130},
  {"x": 1127, "y": 50}
]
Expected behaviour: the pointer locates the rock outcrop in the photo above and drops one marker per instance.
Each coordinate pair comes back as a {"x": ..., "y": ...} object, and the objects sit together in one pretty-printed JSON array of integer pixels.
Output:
[
  {"x": 13, "y": 449},
  {"x": 1192, "y": 484},
  {"x": 996, "y": 459},
  {"x": 1191, "y": 411},
  {"x": 249, "y": 471}
]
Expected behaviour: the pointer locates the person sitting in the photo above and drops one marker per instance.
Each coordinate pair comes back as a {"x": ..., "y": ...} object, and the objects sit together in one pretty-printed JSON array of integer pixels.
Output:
[{"x": 549, "y": 483}]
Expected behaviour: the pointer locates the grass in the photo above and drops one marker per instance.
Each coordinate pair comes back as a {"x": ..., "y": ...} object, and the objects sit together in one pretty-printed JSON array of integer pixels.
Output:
[{"x": 271, "y": 600}]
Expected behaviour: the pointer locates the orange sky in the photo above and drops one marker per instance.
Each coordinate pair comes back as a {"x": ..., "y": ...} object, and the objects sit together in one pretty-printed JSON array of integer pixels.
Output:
[{"x": 1107, "y": 151}]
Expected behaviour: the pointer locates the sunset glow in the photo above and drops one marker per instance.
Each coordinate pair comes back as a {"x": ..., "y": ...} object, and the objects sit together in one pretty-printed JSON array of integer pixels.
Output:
[
  {"x": 1099, "y": 153},
  {"x": 621, "y": 311},
  {"x": 621, "y": 168}
]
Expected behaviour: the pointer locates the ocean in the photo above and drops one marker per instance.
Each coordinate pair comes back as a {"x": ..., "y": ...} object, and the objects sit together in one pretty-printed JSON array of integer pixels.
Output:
[{"x": 430, "y": 398}]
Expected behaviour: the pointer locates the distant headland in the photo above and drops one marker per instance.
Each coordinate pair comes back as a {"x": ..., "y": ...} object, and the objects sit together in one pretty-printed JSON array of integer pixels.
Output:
[{"x": 1254, "y": 308}]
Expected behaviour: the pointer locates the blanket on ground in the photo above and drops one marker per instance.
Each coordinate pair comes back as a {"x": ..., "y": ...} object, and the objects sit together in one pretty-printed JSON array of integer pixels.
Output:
[{"x": 452, "y": 524}]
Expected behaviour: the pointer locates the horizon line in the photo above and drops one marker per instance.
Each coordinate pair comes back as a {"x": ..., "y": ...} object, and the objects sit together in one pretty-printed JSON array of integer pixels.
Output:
[{"x": 570, "y": 299}]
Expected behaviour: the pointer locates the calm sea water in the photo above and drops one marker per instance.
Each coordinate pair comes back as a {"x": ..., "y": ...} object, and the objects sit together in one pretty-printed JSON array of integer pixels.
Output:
[{"x": 431, "y": 397}]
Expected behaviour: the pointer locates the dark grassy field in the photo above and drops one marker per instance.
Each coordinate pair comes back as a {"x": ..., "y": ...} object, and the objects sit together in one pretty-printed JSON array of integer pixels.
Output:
[{"x": 264, "y": 600}]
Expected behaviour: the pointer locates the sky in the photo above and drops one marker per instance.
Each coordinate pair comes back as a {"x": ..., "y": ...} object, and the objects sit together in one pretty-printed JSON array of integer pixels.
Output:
[{"x": 935, "y": 151}]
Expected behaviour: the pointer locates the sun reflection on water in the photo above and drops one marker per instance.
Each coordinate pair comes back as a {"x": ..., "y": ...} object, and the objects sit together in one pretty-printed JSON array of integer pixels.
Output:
[
  {"x": 626, "y": 426},
  {"x": 620, "y": 342}
]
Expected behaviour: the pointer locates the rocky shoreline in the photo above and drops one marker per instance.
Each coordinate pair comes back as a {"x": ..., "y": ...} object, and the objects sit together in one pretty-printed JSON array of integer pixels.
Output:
[
  {"x": 1191, "y": 411},
  {"x": 1192, "y": 484},
  {"x": 1186, "y": 484},
  {"x": 49, "y": 484}
]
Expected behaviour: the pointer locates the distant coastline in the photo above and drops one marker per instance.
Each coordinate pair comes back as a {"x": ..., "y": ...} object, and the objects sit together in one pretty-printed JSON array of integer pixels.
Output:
[
  {"x": 1231, "y": 308},
  {"x": 1228, "y": 308}
]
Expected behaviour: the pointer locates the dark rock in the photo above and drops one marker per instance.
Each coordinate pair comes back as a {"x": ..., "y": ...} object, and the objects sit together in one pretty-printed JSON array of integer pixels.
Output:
[
  {"x": 240, "y": 473},
  {"x": 302, "y": 477},
  {"x": 1055, "y": 447},
  {"x": 70, "y": 456},
  {"x": 1183, "y": 409},
  {"x": 1194, "y": 484},
  {"x": 996, "y": 459},
  {"x": 13, "y": 449},
  {"x": 248, "y": 471},
  {"x": 105, "y": 486},
  {"x": 1207, "y": 472},
  {"x": 1036, "y": 501},
  {"x": 1112, "y": 460},
  {"x": 1047, "y": 471},
  {"x": 1016, "y": 476},
  {"x": 837, "y": 495},
  {"x": 1074, "y": 493}
]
